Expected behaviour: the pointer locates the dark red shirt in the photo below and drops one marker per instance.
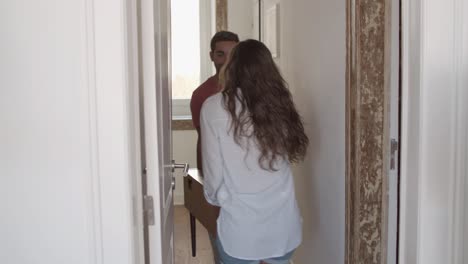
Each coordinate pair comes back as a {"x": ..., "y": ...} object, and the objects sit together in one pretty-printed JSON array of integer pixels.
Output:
[{"x": 205, "y": 90}]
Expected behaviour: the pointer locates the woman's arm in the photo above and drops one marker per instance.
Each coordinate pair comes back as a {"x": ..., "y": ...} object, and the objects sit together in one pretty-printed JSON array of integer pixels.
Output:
[{"x": 211, "y": 158}]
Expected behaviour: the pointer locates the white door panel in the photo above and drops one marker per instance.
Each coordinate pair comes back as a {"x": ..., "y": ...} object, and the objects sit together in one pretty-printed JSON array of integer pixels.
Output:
[
  {"x": 155, "y": 80},
  {"x": 162, "y": 11},
  {"x": 65, "y": 195}
]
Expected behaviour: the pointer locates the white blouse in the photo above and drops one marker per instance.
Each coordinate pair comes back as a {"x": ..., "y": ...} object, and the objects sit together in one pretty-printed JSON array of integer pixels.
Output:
[{"x": 259, "y": 216}]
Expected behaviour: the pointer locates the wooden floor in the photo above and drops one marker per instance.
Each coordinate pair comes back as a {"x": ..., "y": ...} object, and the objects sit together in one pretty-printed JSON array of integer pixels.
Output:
[{"x": 182, "y": 244}]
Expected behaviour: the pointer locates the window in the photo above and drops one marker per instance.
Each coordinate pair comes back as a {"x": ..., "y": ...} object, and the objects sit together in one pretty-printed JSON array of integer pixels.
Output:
[{"x": 191, "y": 30}]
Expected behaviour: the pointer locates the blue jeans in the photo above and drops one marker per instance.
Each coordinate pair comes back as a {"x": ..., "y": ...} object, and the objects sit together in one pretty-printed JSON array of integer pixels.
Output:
[{"x": 224, "y": 258}]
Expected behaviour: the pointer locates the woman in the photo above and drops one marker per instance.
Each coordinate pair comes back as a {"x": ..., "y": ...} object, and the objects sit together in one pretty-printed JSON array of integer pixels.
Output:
[{"x": 251, "y": 134}]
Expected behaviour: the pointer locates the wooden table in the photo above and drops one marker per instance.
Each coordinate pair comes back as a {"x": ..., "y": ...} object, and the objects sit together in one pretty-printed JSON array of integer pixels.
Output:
[{"x": 196, "y": 204}]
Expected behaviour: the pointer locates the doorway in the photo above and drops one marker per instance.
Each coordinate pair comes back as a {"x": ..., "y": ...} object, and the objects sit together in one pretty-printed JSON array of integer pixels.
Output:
[
  {"x": 368, "y": 152},
  {"x": 366, "y": 114}
]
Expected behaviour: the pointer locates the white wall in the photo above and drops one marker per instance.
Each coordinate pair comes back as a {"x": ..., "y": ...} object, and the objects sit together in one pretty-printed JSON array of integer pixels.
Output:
[
  {"x": 240, "y": 18},
  {"x": 312, "y": 58},
  {"x": 184, "y": 147}
]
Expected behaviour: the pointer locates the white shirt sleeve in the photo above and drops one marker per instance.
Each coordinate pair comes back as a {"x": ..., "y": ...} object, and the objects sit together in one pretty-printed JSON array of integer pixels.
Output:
[{"x": 211, "y": 157}]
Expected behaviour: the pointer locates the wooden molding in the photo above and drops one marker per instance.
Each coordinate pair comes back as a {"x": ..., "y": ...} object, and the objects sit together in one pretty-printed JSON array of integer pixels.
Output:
[
  {"x": 221, "y": 15},
  {"x": 182, "y": 125},
  {"x": 367, "y": 128}
]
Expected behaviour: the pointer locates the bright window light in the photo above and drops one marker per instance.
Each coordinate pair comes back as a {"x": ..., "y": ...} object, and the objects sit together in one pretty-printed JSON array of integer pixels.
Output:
[{"x": 185, "y": 22}]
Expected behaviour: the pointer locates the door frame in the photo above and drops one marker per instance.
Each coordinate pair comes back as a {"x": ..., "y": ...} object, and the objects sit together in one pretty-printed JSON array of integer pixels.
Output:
[
  {"x": 433, "y": 215},
  {"x": 144, "y": 53},
  {"x": 434, "y": 173},
  {"x": 132, "y": 51},
  {"x": 109, "y": 68},
  {"x": 368, "y": 73}
]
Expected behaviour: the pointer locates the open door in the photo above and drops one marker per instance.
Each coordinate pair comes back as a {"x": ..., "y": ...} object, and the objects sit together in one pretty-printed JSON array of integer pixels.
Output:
[{"x": 155, "y": 101}]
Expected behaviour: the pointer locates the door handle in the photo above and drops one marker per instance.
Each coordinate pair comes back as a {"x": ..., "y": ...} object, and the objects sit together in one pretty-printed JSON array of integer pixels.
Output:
[{"x": 184, "y": 166}]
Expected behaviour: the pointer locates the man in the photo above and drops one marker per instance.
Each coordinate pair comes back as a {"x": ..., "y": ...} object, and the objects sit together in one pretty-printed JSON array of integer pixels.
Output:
[{"x": 221, "y": 45}]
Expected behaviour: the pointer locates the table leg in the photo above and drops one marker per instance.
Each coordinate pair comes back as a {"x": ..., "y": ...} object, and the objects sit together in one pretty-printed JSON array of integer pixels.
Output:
[{"x": 193, "y": 235}]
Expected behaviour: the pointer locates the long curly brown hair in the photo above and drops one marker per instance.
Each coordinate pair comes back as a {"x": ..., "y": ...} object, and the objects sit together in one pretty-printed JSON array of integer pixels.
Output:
[{"x": 260, "y": 104}]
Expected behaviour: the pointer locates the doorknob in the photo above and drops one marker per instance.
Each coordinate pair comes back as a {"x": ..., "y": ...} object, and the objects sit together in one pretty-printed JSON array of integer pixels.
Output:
[{"x": 184, "y": 166}]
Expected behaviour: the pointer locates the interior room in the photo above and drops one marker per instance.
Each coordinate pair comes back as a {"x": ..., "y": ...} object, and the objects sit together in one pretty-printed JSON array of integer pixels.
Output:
[
  {"x": 313, "y": 62},
  {"x": 97, "y": 147}
]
